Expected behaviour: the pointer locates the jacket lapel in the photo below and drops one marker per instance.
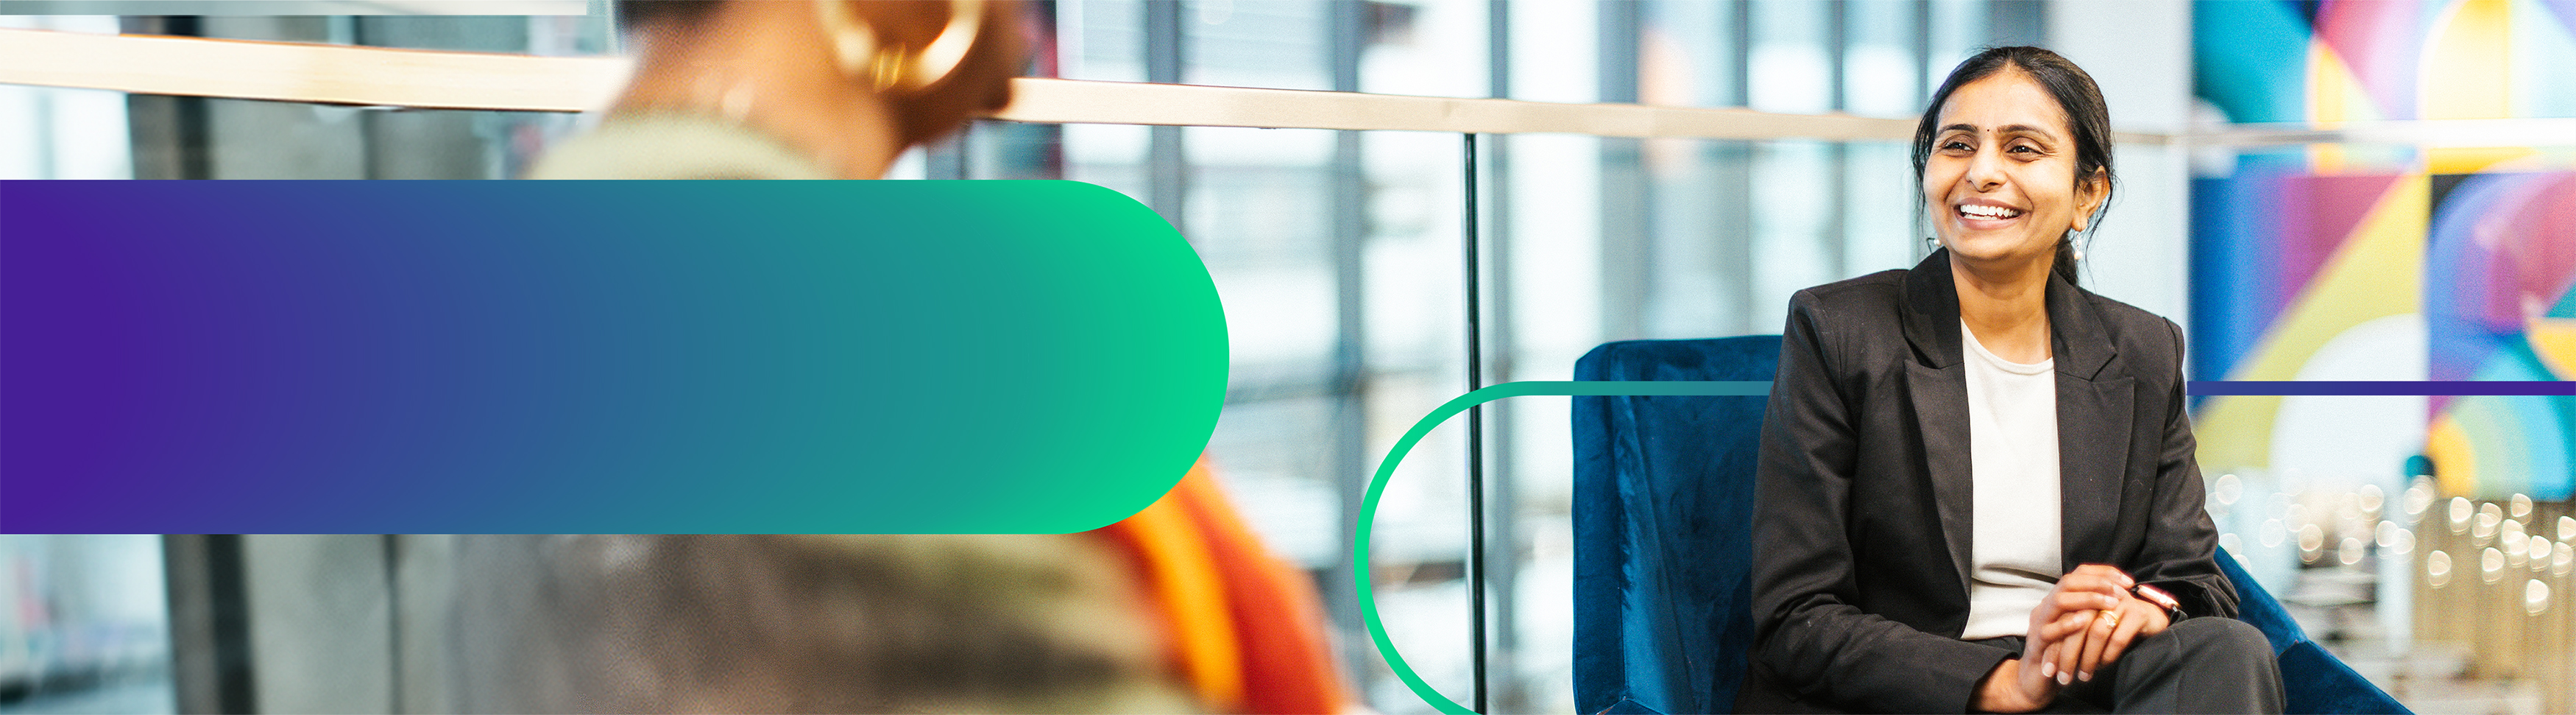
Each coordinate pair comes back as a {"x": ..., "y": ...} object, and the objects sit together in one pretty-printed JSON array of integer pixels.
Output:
[
  {"x": 2093, "y": 421},
  {"x": 2093, "y": 414},
  {"x": 1939, "y": 386}
]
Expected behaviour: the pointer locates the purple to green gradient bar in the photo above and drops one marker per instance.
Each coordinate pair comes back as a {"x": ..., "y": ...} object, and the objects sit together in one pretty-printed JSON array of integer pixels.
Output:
[
  {"x": 596, "y": 357},
  {"x": 2284, "y": 388}
]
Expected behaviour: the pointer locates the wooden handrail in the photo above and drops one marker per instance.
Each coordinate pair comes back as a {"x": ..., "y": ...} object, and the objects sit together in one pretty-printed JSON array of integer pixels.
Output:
[
  {"x": 425, "y": 79},
  {"x": 388, "y": 77}
]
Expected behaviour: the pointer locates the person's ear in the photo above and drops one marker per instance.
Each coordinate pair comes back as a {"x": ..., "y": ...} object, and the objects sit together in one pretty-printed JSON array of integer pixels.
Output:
[{"x": 2089, "y": 195}]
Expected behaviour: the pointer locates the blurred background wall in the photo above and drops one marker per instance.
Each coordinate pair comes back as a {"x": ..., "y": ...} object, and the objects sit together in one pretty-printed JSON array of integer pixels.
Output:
[{"x": 2441, "y": 246}]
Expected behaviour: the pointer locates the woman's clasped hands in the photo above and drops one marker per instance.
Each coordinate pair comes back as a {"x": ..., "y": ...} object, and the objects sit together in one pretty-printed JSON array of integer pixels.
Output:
[{"x": 2084, "y": 625}]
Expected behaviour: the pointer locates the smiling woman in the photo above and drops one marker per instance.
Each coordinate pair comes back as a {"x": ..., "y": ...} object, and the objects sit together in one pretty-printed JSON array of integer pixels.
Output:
[
  {"x": 2047, "y": 131},
  {"x": 1977, "y": 481}
]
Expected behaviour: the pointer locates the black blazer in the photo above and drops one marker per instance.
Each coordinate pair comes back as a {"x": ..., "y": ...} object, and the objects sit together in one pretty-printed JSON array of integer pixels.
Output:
[{"x": 1861, "y": 542}]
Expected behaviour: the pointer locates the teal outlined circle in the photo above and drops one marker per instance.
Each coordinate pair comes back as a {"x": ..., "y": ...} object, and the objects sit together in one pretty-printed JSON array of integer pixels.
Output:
[{"x": 1386, "y": 469}]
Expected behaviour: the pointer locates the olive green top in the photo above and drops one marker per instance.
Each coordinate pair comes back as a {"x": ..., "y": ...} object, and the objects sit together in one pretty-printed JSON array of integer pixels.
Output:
[{"x": 674, "y": 146}]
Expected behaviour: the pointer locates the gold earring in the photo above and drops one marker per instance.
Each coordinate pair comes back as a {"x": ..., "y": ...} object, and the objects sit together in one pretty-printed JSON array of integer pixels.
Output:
[
  {"x": 857, "y": 52},
  {"x": 947, "y": 51},
  {"x": 854, "y": 44},
  {"x": 887, "y": 70}
]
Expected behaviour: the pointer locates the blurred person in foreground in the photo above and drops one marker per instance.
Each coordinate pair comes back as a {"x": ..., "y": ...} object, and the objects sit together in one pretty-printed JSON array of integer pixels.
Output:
[
  {"x": 794, "y": 89},
  {"x": 1178, "y": 608}
]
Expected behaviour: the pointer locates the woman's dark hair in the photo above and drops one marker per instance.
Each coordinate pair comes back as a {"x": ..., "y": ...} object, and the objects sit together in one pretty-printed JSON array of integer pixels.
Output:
[{"x": 2086, "y": 116}]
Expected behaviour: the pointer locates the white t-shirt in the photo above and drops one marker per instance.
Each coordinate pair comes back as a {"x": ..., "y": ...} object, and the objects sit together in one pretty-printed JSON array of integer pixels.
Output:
[{"x": 2012, "y": 454}]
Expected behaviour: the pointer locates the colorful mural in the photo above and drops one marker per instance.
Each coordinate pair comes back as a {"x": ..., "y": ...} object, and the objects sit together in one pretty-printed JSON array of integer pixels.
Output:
[{"x": 2433, "y": 258}]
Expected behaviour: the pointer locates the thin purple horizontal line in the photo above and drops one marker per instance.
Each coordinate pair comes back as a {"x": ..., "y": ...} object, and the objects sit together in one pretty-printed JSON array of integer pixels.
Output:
[{"x": 2382, "y": 387}]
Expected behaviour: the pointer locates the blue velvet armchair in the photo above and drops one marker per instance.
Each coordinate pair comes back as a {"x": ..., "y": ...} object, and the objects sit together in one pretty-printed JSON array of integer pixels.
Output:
[{"x": 1663, "y": 515}]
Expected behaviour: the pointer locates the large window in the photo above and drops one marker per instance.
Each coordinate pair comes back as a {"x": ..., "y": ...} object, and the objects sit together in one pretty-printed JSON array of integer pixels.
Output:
[{"x": 1338, "y": 254}]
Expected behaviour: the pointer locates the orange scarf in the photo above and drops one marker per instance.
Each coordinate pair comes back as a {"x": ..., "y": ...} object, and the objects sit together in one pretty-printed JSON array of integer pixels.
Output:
[{"x": 1246, "y": 629}]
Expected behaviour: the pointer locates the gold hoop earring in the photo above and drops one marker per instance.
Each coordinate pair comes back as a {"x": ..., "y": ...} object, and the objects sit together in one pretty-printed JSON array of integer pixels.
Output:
[
  {"x": 858, "y": 53},
  {"x": 948, "y": 51}
]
